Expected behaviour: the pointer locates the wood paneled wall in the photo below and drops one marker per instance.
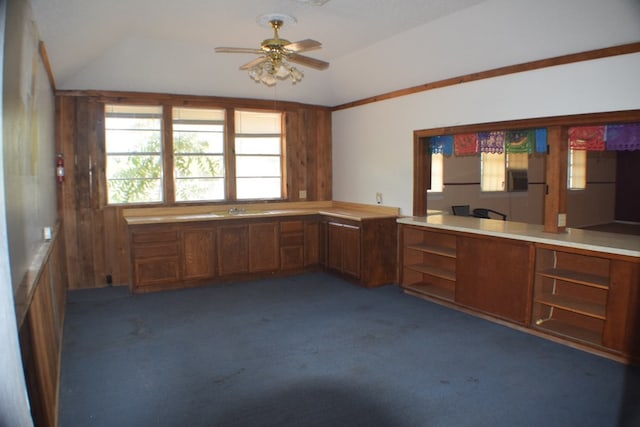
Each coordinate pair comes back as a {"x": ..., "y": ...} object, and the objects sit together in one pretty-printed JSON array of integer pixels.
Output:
[
  {"x": 40, "y": 310},
  {"x": 95, "y": 235}
]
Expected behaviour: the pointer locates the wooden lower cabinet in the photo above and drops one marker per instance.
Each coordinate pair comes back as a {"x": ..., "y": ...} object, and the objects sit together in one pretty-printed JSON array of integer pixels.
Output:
[
  {"x": 155, "y": 257},
  {"x": 313, "y": 243},
  {"x": 362, "y": 250},
  {"x": 170, "y": 256},
  {"x": 343, "y": 248},
  {"x": 233, "y": 249},
  {"x": 581, "y": 297},
  {"x": 587, "y": 297},
  {"x": 264, "y": 247},
  {"x": 198, "y": 254},
  {"x": 494, "y": 276}
]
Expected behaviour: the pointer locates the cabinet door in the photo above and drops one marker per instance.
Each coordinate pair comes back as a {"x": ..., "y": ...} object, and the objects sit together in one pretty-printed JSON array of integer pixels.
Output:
[
  {"x": 495, "y": 276},
  {"x": 233, "y": 249},
  {"x": 351, "y": 250},
  {"x": 198, "y": 254},
  {"x": 155, "y": 259},
  {"x": 343, "y": 248},
  {"x": 334, "y": 246},
  {"x": 263, "y": 247},
  {"x": 311, "y": 243}
]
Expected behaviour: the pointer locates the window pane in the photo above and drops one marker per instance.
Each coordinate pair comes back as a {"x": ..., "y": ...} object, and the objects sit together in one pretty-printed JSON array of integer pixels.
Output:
[
  {"x": 258, "y": 122},
  {"x": 199, "y": 189},
  {"x": 262, "y": 145},
  {"x": 198, "y": 146},
  {"x": 258, "y": 149},
  {"x": 577, "y": 173},
  {"x": 258, "y": 188},
  {"x": 492, "y": 171},
  {"x": 142, "y": 190},
  {"x": 133, "y": 146},
  {"x": 437, "y": 172},
  {"x": 257, "y": 166},
  {"x": 518, "y": 161}
]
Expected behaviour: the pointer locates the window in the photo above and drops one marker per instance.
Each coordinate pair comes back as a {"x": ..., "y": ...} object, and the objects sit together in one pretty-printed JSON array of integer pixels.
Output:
[
  {"x": 492, "y": 171},
  {"x": 198, "y": 154},
  {"x": 437, "y": 173},
  {"x": 258, "y": 155},
  {"x": 133, "y": 148},
  {"x": 577, "y": 170},
  {"x": 495, "y": 167}
]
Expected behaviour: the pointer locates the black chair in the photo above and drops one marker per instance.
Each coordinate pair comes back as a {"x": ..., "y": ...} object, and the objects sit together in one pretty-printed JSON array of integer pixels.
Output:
[
  {"x": 461, "y": 210},
  {"x": 484, "y": 213}
]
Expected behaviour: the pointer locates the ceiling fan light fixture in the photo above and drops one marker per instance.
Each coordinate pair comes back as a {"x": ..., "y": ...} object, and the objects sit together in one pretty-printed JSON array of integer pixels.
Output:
[{"x": 276, "y": 53}]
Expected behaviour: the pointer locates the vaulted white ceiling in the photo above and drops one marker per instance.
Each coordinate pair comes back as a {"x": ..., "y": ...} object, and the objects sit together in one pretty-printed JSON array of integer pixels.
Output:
[{"x": 374, "y": 46}]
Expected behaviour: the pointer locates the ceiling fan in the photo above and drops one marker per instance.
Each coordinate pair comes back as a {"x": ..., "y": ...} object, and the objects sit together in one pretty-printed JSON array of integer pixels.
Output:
[{"x": 276, "y": 53}]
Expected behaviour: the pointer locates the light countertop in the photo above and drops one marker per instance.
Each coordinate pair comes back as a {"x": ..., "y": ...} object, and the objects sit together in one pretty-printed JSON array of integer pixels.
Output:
[
  {"x": 611, "y": 243},
  {"x": 355, "y": 212}
]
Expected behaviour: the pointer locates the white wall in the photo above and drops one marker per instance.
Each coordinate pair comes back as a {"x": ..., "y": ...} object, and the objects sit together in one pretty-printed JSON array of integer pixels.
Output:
[
  {"x": 29, "y": 146},
  {"x": 14, "y": 404},
  {"x": 373, "y": 143}
]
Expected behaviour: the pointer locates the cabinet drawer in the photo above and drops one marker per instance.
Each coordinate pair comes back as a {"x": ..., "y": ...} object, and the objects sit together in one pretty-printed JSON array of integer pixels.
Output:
[
  {"x": 155, "y": 250},
  {"x": 292, "y": 239},
  {"x": 291, "y": 226},
  {"x": 159, "y": 236}
]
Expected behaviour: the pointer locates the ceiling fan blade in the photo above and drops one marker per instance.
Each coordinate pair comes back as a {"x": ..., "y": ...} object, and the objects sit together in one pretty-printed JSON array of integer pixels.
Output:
[
  {"x": 238, "y": 50},
  {"x": 303, "y": 45},
  {"x": 307, "y": 61},
  {"x": 253, "y": 63}
]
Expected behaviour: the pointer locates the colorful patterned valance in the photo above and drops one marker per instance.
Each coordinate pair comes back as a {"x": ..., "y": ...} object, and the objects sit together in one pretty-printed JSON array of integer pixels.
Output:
[
  {"x": 442, "y": 144},
  {"x": 520, "y": 141},
  {"x": 491, "y": 142},
  {"x": 541, "y": 140},
  {"x": 466, "y": 144},
  {"x": 590, "y": 138},
  {"x": 623, "y": 137}
]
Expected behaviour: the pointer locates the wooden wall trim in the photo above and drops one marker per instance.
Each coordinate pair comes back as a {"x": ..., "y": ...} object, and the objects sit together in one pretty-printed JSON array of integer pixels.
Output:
[
  {"x": 47, "y": 65},
  {"x": 497, "y": 72},
  {"x": 591, "y": 119},
  {"x": 151, "y": 98}
]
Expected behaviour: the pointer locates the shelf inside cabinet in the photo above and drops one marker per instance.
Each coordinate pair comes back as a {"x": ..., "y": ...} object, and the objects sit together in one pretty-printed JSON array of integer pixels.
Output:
[
  {"x": 574, "y": 305},
  {"x": 432, "y": 249},
  {"x": 568, "y": 330},
  {"x": 576, "y": 277},
  {"x": 431, "y": 290},
  {"x": 433, "y": 271}
]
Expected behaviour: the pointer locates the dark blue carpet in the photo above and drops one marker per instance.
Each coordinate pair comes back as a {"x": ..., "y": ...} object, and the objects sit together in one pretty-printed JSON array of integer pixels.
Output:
[{"x": 314, "y": 350}]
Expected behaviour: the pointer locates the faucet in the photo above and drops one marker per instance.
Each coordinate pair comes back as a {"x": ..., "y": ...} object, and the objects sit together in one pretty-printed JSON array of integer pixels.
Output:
[{"x": 236, "y": 211}]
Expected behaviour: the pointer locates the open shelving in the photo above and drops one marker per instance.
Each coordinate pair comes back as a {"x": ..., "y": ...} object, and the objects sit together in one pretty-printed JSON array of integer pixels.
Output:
[
  {"x": 429, "y": 263},
  {"x": 570, "y": 294}
]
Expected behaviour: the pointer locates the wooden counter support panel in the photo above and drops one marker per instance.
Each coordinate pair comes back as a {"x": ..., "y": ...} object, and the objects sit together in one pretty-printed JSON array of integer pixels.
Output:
[
  {"x": 622, "y": 330},
  {"x": 555, "y": 201},
  {"x": 494, "y": 276}
]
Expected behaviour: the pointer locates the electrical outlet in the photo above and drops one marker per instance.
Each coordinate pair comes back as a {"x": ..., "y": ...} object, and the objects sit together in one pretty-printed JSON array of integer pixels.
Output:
[
  {"x": 378, "y": 198},
  {"x": 46, "y": 233},
  {"x": 302, "y": 194},
  {"x": 562, "y": 220}
]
